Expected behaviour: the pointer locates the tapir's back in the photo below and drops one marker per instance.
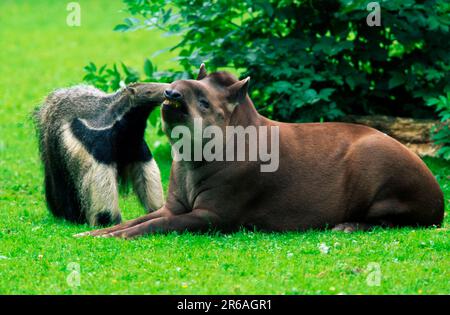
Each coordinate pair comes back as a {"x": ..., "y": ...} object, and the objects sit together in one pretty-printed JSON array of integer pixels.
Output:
[{"x": 336, "y": 172}]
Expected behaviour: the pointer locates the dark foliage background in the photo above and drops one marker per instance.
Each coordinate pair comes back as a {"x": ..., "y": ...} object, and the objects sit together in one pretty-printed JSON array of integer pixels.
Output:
[{"x": 309, "y": 60}]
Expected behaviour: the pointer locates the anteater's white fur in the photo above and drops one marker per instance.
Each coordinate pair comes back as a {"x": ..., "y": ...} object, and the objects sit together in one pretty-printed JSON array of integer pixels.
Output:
[
  {"x": 98, "y": 184},
  {"x": 145, "y": 177}
]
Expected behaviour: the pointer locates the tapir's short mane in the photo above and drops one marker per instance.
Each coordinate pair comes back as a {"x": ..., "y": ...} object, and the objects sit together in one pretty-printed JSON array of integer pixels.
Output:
[{"x": 222, "y": 78}]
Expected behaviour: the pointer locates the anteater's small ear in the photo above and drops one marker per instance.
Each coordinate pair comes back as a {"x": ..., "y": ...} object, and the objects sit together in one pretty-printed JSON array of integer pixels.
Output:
[
  {"x": 202, "y": 72},
  {"x": 238, "y": 91},
  {"x": 131, "y": 89}
]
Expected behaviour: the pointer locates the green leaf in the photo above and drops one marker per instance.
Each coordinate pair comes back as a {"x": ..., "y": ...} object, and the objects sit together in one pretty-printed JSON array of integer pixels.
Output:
[
  {"x": 148, "y": 68},
  {"x": 351, "y": 82},
  {"x": 121, "y": 28},
  {"x": 326, "y": 93},
  {"x": 310, "y": 95},
  {"x": 396, "y": 79},
  {"x": 155, "y": 117},
  {"x": 431, "y": 101}
]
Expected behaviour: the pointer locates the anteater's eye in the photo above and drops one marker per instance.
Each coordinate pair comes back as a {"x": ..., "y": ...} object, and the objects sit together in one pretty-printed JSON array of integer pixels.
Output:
[{"x": 204, "y": 104}]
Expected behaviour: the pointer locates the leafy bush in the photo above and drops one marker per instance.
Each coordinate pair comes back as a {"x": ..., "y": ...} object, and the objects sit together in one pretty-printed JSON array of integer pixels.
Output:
[
  {"x": 441, "y": 133},
  {"x": 109, "y": 79},
  {"x": 309, "y": 60}
]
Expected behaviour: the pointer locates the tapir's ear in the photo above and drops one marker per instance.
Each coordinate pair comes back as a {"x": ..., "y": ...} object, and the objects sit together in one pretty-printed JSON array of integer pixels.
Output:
[
  {"x": 202, "y": 72},
  {"x": 238, "y": 91}
]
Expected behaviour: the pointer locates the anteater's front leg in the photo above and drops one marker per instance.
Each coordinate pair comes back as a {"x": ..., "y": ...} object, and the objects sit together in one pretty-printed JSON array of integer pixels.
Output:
[
  {"x": 146, "y": 178},
  {"x": 196, "y": 221},
  {"x": 100, "y": 194}
]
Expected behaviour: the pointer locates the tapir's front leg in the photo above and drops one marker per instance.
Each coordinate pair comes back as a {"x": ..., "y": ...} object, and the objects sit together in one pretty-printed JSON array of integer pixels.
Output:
[
  {"x": 196, "y": 221},
  {"x": 128, "y": 224}
]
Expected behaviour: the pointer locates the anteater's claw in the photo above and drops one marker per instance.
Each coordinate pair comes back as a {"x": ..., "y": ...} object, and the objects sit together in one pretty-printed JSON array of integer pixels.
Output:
[{"x": 82, "y": 234}]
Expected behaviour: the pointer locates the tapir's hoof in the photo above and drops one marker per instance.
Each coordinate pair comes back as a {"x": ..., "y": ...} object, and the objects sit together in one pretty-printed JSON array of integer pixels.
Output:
[{"x": 350, "y": 227}]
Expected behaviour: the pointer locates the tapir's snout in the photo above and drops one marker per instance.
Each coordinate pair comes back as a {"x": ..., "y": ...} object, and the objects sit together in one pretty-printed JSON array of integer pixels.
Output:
[
  {"x": 174, "y": 100},
  {"x": 172, "y": 94}
]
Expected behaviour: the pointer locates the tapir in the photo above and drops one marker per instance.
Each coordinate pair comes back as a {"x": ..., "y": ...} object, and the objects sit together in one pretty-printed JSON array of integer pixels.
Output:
[{"x": 330, "y": 175}]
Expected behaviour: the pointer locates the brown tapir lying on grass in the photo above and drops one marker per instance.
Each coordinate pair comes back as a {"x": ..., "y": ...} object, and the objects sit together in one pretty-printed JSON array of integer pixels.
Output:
[{"x": 329, "y": 174}]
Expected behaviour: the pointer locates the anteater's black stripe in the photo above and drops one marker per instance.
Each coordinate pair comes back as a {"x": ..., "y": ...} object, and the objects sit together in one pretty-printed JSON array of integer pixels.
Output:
[
  {"x": 97, "y": 142},
  {"x": 121, "y": 143}
]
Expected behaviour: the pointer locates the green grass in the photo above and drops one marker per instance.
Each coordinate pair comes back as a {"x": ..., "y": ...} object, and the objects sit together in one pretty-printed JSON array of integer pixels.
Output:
[{"x": 39, "y": 53}]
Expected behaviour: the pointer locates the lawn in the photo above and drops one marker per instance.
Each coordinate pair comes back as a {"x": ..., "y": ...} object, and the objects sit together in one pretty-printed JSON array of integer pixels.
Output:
[{"x": 38, "y": 254}]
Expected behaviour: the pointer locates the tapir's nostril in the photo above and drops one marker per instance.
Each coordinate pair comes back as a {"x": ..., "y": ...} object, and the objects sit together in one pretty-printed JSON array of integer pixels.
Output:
[{"x": 172, "y": 94}]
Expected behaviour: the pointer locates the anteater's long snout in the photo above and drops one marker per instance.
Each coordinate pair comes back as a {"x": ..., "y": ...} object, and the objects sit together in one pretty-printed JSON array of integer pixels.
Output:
[{"x": 151, "y": 93}]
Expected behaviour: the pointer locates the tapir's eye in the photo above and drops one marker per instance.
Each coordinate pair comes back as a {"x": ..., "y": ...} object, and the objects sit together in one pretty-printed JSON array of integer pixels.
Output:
[{"x": 204, "y": 104}]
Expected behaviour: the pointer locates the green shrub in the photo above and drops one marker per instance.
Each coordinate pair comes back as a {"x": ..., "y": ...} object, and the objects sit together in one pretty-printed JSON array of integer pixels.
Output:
[
  {"x": 441, "y": 133},
  {"x": 310, "y": 60}
]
